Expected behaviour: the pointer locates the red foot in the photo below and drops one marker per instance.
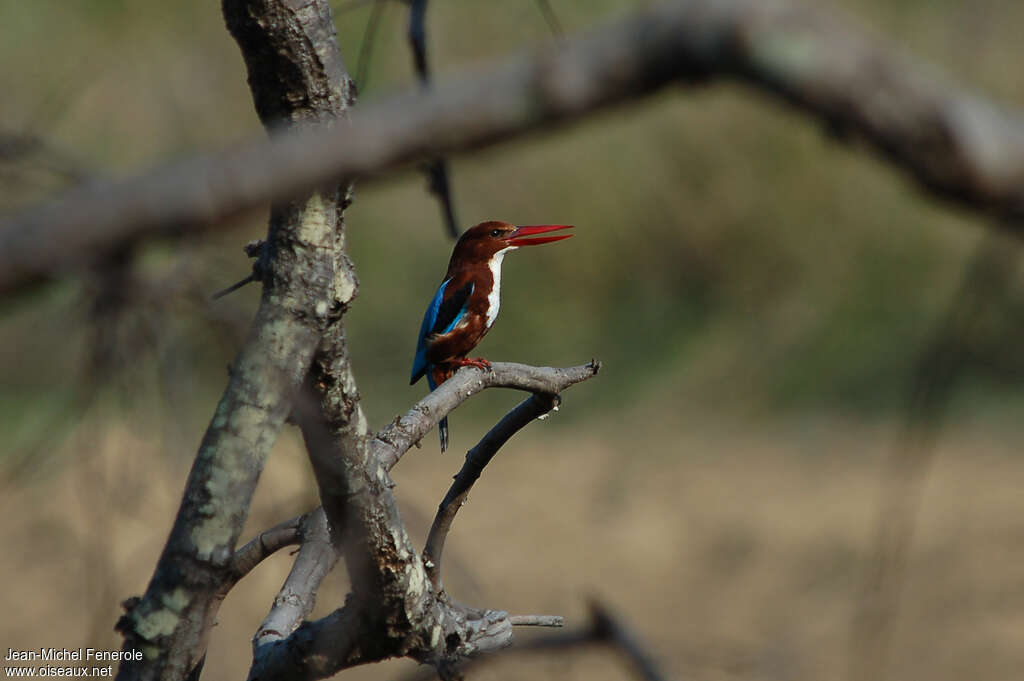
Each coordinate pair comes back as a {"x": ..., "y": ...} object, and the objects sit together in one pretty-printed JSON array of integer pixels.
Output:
[{"x": 478, "y": 362}]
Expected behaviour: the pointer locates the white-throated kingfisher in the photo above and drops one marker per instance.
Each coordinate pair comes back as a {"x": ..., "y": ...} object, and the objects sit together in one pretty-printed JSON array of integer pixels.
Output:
[{"x": 466, "y": 304}]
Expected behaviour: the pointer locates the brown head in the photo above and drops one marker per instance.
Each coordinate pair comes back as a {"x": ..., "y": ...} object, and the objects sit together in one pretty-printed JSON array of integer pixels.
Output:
[{"x": 479, "y": 243}]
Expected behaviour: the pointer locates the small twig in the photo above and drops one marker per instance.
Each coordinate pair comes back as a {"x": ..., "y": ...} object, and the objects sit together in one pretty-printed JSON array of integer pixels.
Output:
[
  {"x": 418, "y": 38},
  {"x": 438, "y": 182},
  {"x": 476, "y": 459},
  {"x": 549, "y": 16},
  {"x": 253, "y": 249},
  {"x": 612, "y": 628},
  {"x": 537, "y": 620},
  {"x": 268, "y": 542},
  {"x": 234, "y": 287},
  {"x": 366, "y": 48}
]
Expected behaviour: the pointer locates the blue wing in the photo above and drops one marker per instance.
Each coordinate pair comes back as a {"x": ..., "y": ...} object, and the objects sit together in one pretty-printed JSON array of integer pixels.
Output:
[
  {"x": 441, "y": 317},
  {"x": 419, "y": 363}
]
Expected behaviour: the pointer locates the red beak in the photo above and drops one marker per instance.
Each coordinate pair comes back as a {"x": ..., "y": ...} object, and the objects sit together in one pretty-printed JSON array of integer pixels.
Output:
[{"x": 516, "y": 238}]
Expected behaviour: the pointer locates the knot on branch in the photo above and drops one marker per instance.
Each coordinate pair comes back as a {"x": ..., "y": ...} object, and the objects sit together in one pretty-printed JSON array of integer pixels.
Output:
[
  {"x": 469, "y": 632},
  {"x": 462, "y": 633},
  {"x": 124, "y": 622},
  {"x": 485, "y": 631}
]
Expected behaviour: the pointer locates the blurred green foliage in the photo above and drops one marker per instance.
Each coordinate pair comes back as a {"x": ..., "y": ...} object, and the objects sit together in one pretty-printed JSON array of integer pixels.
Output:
[{"x": 730, "y": 256}]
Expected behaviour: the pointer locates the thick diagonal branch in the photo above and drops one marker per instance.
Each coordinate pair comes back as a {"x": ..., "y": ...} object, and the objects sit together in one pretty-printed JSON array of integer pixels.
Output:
[
  {"x": 952, "y": 142},
  {"x": 289, "y": 48}
]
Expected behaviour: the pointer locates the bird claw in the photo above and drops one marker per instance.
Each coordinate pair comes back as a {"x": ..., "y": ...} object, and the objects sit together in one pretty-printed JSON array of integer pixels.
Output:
[{"x": 478, "y": 362}]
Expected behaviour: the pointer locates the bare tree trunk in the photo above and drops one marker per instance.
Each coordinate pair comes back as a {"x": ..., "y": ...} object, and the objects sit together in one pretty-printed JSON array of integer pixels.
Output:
[{"x": 297, "y": 77}]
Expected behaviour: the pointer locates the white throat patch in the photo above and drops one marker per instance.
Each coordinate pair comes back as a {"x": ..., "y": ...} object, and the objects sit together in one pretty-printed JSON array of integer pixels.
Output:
[{"x": 494, "y": 297}]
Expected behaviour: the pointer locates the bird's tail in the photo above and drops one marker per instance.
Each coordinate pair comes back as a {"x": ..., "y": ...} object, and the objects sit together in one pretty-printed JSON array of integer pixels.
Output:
[
  {"x": 442, "y": 429},
  {"x": 435, "y": 376}
]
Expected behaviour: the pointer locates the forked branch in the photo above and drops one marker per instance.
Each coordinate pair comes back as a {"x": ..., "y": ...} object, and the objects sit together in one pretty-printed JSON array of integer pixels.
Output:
[
  {"x": 392, "y": 442},
  {"x": 393, "y": 602},
  {"x": 297, "y": 596}
]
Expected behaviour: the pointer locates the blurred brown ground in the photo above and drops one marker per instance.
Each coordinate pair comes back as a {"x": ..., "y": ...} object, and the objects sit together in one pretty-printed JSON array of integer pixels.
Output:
[{"x": 736, "y": 553}]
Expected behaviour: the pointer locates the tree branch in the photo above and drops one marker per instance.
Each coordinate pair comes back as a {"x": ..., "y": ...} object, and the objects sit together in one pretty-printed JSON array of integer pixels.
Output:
[
  {"x": 476, "y": 459},
  {"x": 289, "y": 48},
  {"x": 610, "y": 627},
  {"x": 392, "y": 442},
  {"x": 436, "y": 169},
  {"x": 393, "y": 609},
  {"x": 366, "y": 49},
  {"x": 605, "y": 628},
  {"x": 317, "y": 555},
  {"x": 288, "y": 533},
  {"x": 953, "y": 143},
  {"x": 297, "y": 596},
  {"x": 245, "y": 560},
  {"x": 550, "y": 17}
]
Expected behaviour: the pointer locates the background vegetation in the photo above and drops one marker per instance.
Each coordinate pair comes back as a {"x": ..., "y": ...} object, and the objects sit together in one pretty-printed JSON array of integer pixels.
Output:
[{"x": 759, "y": 292}]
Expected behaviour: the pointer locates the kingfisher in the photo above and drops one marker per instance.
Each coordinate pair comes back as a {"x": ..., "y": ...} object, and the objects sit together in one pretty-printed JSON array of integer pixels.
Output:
[{"x": 466, "y": 304}]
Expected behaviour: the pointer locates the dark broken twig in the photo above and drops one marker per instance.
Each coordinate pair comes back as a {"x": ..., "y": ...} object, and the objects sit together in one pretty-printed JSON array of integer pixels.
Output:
[
  {"x": 438, "y": 182},
  {"x": 550, "y": 17},
  {"x": 255, "y": 250},
  {"x": 366, "y": 48},
  {"x": 477, "y": 458}
]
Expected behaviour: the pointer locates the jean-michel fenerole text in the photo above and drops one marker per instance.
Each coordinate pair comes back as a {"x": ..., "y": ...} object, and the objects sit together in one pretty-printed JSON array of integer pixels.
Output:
[{"x": 79, "y": 654}]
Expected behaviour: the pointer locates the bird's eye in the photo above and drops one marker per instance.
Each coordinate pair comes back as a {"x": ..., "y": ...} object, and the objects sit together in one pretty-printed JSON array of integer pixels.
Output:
[{"x": 495, "y": 232}]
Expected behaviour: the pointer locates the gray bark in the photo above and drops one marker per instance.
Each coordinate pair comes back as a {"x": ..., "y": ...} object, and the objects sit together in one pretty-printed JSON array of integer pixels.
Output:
[{"x": 297, "y": 78}]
